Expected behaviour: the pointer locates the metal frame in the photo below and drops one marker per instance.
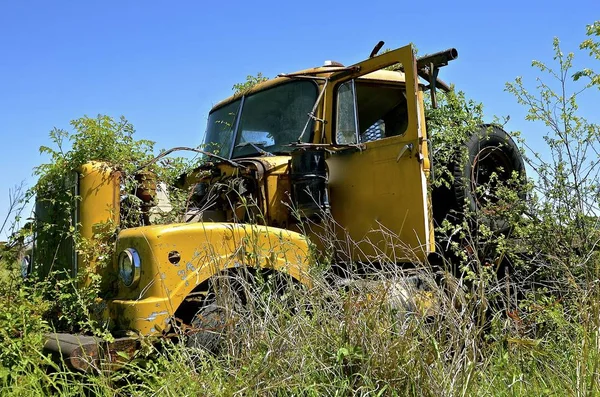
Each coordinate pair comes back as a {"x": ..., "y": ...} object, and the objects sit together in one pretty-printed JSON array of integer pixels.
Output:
[{"x": 238, "y": 117}]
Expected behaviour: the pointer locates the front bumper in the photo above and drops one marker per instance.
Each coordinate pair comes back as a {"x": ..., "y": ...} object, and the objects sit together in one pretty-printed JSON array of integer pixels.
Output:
[{"x": 89, "y": 353}]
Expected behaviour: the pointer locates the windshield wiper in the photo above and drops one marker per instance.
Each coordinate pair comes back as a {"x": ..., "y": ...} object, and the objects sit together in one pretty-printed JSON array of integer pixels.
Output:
[{"x": 255, "y": 146}]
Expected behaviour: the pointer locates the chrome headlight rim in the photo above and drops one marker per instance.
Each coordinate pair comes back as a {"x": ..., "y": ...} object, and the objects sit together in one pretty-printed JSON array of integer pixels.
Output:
[{"x": 130, "y": 280}]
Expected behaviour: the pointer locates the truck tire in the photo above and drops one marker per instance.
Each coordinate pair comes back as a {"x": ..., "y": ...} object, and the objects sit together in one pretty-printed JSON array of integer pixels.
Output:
[
  {"x": 208, "y": 327},
  {"x": 234, "y": 299},
  {"x": 218, "y": 314},
  {"x": 489, "y": 150}
]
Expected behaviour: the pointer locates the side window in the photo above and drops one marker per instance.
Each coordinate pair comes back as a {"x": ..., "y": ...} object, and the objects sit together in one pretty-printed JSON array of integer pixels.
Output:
[
  {"x": 346, "y": 121},
  {"x": 375, "y": 110},
  {"x": 382, "y": 111}
]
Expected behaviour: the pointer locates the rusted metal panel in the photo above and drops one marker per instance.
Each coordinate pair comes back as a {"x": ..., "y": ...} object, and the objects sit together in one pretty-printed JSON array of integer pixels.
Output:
[{"x": 88, "y": 353}]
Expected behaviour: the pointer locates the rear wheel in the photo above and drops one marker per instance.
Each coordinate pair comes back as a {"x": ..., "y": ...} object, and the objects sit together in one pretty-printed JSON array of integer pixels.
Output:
[
  {"x": 493, "y": 158},
  {"x": 487, "y": 161}
]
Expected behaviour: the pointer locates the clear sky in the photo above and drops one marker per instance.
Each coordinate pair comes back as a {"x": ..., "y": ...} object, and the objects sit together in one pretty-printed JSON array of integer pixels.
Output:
[{"x": 164, "y": 64}]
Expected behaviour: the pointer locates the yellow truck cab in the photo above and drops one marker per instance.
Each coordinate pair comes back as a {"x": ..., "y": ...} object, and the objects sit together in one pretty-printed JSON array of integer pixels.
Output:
[{"x": 327, "y": 162}]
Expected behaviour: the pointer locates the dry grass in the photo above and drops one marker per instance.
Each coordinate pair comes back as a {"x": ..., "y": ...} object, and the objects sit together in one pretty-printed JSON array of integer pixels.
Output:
[{"x": 365, "y": 337}]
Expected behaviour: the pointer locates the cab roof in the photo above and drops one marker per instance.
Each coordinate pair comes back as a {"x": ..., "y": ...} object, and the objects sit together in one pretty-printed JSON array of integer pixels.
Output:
[{"x": 321, "y": 71}]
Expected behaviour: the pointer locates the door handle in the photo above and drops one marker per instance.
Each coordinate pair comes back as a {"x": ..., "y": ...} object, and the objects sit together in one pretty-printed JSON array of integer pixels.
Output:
[{"x": 408, "y": 146}]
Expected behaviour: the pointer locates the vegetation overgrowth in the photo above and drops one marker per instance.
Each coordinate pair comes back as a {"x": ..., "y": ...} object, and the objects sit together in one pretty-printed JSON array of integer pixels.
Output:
[{"x": 530, "y": 329}]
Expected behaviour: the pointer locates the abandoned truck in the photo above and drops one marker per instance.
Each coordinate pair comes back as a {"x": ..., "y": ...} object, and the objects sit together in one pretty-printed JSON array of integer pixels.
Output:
[{"x": 330, "y": 161}]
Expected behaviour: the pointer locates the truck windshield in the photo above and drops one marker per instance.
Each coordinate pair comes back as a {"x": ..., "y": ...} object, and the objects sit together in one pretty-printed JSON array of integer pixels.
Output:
[{"x": 269, "y": 121}]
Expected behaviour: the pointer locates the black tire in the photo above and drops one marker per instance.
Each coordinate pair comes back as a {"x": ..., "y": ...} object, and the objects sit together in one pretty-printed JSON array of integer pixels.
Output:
[
  {"x": 208, "y": 327},
  {"x": 234, "y": 299},
  {"x": 218, "y": 314},
  {"x": 489, "y": 150}
]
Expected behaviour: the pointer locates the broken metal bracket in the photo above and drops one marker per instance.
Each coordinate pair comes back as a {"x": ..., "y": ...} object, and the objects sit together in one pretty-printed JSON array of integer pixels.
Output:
[{"x": 433, "y": 74}]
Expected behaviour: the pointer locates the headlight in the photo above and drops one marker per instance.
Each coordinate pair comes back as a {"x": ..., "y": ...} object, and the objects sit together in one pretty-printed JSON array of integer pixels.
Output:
[{"x": 129, "y": 267}]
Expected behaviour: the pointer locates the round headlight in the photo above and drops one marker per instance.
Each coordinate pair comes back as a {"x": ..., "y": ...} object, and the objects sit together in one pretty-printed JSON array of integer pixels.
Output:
[{"x": 129, "y": 267}]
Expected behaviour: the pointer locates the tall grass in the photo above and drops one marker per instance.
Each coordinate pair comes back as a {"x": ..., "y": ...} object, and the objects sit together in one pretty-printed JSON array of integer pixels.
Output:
[{"x": 342, "y": 337}]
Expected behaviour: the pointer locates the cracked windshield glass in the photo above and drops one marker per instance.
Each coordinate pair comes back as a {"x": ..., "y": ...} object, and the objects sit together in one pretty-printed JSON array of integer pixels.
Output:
[{"x": 269, "y": 121}]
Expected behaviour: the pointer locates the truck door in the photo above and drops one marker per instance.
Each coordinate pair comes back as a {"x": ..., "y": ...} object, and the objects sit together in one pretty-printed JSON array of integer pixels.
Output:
[{"x": 378, "y": 190}]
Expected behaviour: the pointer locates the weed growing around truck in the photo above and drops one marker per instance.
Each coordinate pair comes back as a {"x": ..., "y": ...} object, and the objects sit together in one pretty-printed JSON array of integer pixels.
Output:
[
  {"x": 346, "y": 344},
  {"x": 531, "y": 329}
]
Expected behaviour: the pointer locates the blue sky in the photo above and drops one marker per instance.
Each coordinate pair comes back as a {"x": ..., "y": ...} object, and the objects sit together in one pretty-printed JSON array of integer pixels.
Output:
[{"x": 164, "y": 64}]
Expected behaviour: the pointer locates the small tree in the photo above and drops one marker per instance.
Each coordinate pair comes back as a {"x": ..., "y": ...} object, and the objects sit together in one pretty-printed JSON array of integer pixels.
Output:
[
  {"x": 567, "y": 173},
  {"x": 251, "y": 81}
]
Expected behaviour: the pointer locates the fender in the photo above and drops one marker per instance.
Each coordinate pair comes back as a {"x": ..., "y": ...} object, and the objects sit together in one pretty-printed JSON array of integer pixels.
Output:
[{"x": 176, "y": 258}]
